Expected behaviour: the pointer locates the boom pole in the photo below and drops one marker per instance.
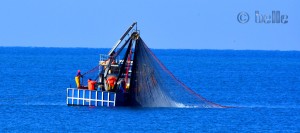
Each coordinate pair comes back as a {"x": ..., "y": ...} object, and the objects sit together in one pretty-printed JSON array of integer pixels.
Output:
[{"x": 120, "y": 40}]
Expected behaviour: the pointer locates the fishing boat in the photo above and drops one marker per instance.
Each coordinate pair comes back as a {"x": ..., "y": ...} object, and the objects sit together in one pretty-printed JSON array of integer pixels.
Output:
[
  {"x": 112, "y": 84},
  {"x": 131, "y": 75}
]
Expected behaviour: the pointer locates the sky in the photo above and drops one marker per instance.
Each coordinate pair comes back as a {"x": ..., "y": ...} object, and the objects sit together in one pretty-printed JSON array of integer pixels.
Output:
[{"x": 176, "y": 24}]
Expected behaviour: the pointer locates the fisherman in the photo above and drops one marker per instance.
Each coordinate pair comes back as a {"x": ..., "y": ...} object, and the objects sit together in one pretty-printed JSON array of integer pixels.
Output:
[
  {"x": 77, "y": 79},
  {"x": 91, "y": 84},
  {"x": 111, "y": 80}
]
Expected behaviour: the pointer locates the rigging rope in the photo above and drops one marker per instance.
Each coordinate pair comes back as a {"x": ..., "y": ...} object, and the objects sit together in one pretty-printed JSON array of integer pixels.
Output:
[{"x": 92, "y": 70}]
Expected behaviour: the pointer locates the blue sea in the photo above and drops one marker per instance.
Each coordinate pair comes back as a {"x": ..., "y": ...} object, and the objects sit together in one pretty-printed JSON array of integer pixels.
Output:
[{"x": 261, "y": 87}]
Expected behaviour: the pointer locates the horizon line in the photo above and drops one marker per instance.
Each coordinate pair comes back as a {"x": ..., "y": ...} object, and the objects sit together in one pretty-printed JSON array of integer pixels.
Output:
[{"x": 151, "y": 48}]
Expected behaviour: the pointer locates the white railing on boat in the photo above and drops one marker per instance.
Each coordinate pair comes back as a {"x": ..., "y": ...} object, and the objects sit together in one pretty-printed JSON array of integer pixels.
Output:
[{"x": 86, "y": 97}]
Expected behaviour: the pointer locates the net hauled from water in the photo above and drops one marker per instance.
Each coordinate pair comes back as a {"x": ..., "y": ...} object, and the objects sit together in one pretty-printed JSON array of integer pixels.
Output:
[{"x": 153, "y": 85}]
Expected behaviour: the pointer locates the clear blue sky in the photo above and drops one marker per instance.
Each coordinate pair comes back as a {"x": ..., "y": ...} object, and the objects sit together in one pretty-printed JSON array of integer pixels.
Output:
[{"x": 189, "y": 24}]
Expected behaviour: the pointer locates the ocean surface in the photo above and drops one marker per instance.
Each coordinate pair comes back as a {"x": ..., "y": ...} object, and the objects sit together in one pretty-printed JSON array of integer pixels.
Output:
[{"x": 262, "y": 87}]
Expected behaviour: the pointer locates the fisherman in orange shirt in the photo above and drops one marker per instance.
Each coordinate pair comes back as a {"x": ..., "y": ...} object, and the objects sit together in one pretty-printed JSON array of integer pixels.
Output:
[{"x": 91, "y": 84}]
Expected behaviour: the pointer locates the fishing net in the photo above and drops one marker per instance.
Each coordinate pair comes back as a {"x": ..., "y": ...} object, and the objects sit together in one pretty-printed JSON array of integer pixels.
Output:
[{"x": 153, "y": 85}]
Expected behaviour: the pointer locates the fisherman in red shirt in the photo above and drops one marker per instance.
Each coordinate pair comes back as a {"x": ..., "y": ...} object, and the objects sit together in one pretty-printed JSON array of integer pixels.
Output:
[{"x": 111, "y": 80}]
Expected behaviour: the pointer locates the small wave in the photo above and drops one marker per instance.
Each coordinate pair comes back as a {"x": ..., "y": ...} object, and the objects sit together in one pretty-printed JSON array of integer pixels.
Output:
[{"x": 181, "y": 105}]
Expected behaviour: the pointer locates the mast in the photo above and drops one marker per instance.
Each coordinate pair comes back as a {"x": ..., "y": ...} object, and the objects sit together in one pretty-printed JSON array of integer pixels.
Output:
[{"x": 106, "y": 73}]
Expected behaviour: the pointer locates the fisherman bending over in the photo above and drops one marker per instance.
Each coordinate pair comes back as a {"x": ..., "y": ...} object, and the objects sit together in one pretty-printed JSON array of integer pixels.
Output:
[{"x": 91, "y": 84}]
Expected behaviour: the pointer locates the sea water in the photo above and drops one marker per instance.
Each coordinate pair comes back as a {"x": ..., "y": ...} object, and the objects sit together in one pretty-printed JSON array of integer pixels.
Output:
[{"x": 261, "y": 87}]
